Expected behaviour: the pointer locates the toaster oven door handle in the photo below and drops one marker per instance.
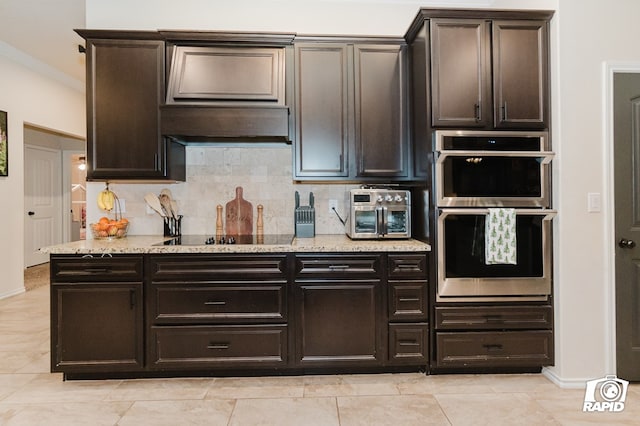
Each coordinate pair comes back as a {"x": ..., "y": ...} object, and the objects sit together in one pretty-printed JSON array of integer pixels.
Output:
[{"x": 381, "y": 222}]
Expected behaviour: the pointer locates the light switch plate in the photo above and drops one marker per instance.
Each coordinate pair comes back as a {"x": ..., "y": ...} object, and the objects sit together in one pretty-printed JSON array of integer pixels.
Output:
[{"x": 594, "y": 202}]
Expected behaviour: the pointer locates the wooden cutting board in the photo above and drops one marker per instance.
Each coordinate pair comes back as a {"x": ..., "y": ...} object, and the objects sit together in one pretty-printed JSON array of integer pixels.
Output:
[{"x": 239, "y": 216}]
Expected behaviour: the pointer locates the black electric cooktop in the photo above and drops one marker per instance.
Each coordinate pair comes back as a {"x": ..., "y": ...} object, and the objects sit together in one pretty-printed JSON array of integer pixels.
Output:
[{"x": 199, "y": 240}]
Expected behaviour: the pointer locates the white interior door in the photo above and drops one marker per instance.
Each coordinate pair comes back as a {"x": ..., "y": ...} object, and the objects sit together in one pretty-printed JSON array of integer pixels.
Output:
[{"x": 43, "y": 202}]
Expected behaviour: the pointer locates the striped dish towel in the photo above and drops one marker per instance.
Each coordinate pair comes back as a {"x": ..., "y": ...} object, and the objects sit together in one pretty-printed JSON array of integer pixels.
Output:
[{"x": 500, "y": 237}]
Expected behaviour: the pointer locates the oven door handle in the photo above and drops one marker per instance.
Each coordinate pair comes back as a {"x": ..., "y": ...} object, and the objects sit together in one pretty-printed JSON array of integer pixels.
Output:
[
  {"x": 548, "y": 214},
  {"x": 381, "y": 220},
  {"x": 545, "y": 156}
]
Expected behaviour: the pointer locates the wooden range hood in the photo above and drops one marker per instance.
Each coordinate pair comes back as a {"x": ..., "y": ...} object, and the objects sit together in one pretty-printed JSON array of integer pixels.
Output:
[{"x": 226, "y": 87}]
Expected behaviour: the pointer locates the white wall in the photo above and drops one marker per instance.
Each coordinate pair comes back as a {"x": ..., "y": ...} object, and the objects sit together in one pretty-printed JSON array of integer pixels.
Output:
[
  {"x": 584, "y": 34},
  {"x": 590, "y": 34},
  {"x": 27, "y": 97}
]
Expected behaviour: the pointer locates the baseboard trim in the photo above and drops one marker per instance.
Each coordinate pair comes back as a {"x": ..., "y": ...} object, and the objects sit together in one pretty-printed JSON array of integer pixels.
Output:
[
  {"x": 12, "y": 293},
  {"x": 564, "y": 383}
]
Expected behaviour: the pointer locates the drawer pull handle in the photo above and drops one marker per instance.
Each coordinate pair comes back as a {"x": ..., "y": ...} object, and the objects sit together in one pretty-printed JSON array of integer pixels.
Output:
[
  {"x": 338, "y": 267},
  {"x": 494, "y": 318},
  {"x": 408, "y": 343},
  {"x": 97, "y": 270},
  {"x": 218, "y": 346},
  {"x": 407, "y": 266},
  {"x": 492, "y": 347},
  {"x": 216, "y": 303},
  {"x": 409, "y": 299}
]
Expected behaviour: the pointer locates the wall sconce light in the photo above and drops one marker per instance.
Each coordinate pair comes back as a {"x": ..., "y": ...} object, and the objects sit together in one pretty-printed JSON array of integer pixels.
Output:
[{"x": 83, "y": 164}]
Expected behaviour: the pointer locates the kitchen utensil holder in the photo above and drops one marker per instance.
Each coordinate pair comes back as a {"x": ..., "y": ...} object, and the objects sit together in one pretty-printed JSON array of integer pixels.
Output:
[{"x": 173, "y": 226}]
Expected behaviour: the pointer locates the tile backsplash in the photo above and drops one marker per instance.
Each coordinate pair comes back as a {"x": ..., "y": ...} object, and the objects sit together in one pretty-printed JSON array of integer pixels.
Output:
[{"x": 213, "y": 173}]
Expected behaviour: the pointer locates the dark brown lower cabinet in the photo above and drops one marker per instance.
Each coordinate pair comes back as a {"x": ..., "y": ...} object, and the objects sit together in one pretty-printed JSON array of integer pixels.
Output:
[
  {"x": 173, "y": 314},
  {"x": 495, "y": 349},
  {"x": 98, "y": 327},
  {"x": 502, "y": 337},
  {"x": 96, "y": 314},
  {"x": 339, "y": 323},
  {"x": 203, "y": 347},
  {"x": 210, "y": 312},
  {"x": 409, "y": 343}
]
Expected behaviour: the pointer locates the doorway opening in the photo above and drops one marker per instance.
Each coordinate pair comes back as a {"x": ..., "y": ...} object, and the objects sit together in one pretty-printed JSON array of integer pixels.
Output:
[{"x": 54, "y": 190}]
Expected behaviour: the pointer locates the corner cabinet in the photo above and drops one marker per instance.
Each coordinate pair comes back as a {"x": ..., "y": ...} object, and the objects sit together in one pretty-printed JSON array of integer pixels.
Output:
[
  {"x": 125, "y": 88},
  {"x": 350, "y": 110}
]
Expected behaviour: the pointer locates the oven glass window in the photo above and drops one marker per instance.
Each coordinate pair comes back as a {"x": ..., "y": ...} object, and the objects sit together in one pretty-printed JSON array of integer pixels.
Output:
[
  {"x": 365, "y": 221},
  {"x": 397, "y": 222},
  {"x": 465, "y": 253},
  {"x": 488, "y": 176}
]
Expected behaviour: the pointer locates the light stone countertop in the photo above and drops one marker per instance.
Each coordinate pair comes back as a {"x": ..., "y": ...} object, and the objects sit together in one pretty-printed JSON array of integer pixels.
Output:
[{"x": 141, "y": 244}]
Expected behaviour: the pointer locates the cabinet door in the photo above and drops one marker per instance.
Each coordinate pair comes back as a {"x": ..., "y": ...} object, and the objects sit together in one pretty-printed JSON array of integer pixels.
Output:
[
  {"x": 460, "y": 66},
  {"x": 322, "y": 110},
  {"x": 381, "y": 110},
  {"x": 339, "y": 323},
  {"x": 520, "y": 74},
  {"x": 96, "y": 327},
  {"x": 125, "y": 87}
]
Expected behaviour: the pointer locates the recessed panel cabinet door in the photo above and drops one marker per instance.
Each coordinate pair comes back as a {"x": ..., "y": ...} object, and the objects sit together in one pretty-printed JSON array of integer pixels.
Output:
[
  {"x": 338, "y": 323},
  {"x": 125, "y": 87},
  {"x": 460, "y": 67},
  {"x": 97, "y": 327},
  {"x": 322, "y": 110},
  {"x": 381, "y": 110},
  {"x": 520, "y": 80}
]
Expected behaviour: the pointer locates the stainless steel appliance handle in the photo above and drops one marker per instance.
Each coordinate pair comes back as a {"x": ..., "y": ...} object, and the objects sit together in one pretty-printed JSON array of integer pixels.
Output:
[
  {"x": 548, "y": 214},
  {"x": 380, "y": 222},
  {"x": 546, "y": 156}
]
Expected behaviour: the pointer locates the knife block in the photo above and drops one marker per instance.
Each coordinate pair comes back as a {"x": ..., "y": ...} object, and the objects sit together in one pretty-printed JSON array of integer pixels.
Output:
[{"x": 305, "y": 220}]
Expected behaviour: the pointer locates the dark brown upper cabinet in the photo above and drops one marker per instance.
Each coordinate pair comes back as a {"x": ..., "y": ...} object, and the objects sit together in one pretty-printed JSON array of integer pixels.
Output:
[
  {"x": 125, "y": 87},
  {"x": 460, "y": 73},
  {"x": 472, "y": 58},
  {"x": 322, "y": 110},
  {"x": 350, "y": 110},
  {"x": 486, "y": 69},
  {"x": 520, "y": 74},
  {"x": 381, "y": 111}
]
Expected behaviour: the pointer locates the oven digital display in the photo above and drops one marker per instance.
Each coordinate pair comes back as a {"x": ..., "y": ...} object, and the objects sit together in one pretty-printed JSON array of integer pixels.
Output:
[{"x": 361, "y": 198}]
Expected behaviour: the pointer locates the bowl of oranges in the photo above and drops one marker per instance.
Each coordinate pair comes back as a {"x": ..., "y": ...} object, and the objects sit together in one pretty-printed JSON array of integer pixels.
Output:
[{"x": 106, "y": 228}]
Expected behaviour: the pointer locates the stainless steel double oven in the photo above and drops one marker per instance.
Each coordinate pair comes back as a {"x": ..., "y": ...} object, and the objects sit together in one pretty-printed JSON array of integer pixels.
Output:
[{"x": 476, "y": 171}]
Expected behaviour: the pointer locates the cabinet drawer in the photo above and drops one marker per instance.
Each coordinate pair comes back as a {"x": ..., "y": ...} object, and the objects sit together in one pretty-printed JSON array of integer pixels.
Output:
[
  {"x": 407, "y": 301},
  {"x": 338, "y": 266},
  {"x": 408, "y": 266},
  {"x": 104, "y": 269},
  {"x": 225, "y": 346},
  {"x": 495, "y": 349},
  {"x": 408, "y": 343},
  {"x": 232, "y": 302},
  {"x": 494, "y": 317},
  {"x": 181, "y": 268}
]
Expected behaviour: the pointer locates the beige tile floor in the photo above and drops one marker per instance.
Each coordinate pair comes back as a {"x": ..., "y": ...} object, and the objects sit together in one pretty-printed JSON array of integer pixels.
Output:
[{"x": 31, "y": 395}]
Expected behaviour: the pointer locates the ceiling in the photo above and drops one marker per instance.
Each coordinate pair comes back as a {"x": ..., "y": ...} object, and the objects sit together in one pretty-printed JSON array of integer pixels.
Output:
[{"x": 43, "y": 30}]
